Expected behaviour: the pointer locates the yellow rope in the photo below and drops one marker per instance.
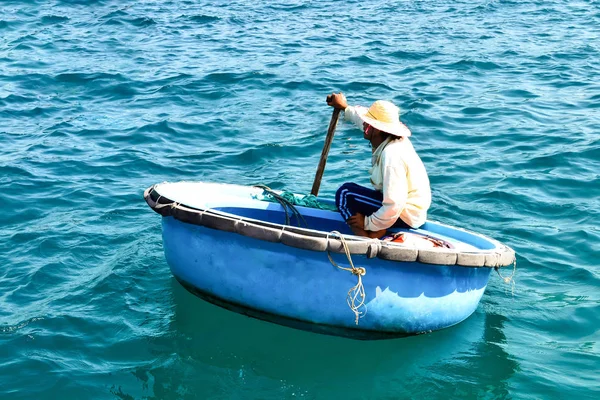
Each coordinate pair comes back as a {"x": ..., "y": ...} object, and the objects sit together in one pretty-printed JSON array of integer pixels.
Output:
[{"x": 357, "y": 292}]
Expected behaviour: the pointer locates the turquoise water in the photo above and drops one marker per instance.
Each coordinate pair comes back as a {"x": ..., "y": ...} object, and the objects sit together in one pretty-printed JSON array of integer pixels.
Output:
[{"x": 101, "y": 99}]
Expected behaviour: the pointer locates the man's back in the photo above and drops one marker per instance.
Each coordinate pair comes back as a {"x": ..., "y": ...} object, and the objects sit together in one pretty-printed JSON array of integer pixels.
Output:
[{"x": 401, "y": 153}]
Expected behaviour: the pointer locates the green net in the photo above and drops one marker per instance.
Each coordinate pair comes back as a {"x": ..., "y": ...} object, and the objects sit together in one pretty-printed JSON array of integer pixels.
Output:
[{"x": 308, "y": 200}]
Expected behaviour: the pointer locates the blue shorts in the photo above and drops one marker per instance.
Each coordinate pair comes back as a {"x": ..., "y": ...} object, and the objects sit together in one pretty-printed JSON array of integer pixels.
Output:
[{"x": 351, "y": 198}]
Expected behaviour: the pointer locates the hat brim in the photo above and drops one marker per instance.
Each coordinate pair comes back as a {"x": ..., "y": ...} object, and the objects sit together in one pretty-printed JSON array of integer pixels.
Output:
[{"x": 395, "y": 128}]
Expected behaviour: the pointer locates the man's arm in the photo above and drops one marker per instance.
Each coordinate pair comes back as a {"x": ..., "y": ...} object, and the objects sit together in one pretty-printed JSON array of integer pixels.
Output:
[{"x": 338, "y": 100}]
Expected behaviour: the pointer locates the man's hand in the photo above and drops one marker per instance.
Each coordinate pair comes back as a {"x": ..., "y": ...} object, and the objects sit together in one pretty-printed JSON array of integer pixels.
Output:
[
  {"x": 357, "y": 221},
  {"x": 337, "y": 100}
]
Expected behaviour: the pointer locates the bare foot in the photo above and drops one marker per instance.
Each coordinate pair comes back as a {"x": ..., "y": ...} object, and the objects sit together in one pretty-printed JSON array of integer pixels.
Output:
[
  {"x": 370, "y": 234},
  {"x": 376, "y": 234}
]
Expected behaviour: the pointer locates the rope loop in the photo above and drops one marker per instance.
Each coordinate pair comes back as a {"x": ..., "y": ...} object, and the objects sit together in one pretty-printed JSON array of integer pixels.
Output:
[
  {"x": 509, "y": 279},
  {"x": 356, "y": 295}
]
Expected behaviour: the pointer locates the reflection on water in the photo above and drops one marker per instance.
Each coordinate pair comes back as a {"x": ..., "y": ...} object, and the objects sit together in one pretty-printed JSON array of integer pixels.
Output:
[
  {"x": 484, "y": 369},
  {"x": 218, "y": 353}
]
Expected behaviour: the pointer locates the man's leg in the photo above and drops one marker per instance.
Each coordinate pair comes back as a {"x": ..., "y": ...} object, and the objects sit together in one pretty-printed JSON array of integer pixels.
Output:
[{"x": 352, "y": 198}]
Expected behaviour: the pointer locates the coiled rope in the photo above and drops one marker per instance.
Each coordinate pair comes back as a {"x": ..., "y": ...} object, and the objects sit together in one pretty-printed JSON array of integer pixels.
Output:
[
  {"x": 356, "y": 294},
  {"x": 285, "y": 203}
]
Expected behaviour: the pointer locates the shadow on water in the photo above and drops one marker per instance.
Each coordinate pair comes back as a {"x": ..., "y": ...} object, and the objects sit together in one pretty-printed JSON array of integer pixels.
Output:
[{"x": 256, "y": 358}]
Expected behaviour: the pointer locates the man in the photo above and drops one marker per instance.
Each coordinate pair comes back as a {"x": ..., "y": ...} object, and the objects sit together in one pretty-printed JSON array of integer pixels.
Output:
[{"x": 402, "y": 194}]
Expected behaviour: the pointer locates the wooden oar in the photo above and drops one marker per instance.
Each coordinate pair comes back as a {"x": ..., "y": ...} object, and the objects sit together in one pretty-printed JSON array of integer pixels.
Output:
[{"x": 325, "y": 152}]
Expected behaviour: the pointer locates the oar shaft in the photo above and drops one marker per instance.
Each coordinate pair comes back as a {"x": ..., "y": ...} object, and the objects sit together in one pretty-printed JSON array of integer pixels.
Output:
[{"x": 325, "y": 152}]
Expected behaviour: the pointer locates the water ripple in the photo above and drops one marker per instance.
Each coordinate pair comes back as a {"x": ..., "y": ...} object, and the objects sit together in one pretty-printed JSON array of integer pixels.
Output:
[{"x": 99, "y": 100}]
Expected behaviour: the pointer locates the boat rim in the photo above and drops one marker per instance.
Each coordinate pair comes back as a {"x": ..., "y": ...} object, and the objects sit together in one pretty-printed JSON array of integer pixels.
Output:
[{"x": 317, "y": 240}]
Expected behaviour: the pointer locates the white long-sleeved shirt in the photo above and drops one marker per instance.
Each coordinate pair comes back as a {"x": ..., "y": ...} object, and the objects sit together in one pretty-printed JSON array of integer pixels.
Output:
[{"x": 398, "y": 172}]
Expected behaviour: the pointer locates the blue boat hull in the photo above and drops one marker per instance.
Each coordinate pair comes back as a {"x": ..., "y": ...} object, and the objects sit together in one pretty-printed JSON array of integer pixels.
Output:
[{"x": 302, "y": 289}]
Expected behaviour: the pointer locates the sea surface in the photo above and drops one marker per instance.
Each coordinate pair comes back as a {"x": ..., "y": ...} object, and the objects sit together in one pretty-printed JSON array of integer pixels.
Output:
[{"x": 101, "y": 99}]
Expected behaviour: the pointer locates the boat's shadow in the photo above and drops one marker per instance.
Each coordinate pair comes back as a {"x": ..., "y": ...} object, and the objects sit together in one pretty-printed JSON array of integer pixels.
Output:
[{"x": 224, "y": 339}]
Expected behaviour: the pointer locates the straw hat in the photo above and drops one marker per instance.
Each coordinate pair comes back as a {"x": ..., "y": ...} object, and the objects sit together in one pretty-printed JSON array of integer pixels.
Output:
[{"x": 384, "y": 116}]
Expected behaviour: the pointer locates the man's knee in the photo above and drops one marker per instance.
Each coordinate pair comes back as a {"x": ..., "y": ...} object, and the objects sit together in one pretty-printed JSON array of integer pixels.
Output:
[
  {"x": 348, "y": 186},
  {"x": 341, "y": 197}
]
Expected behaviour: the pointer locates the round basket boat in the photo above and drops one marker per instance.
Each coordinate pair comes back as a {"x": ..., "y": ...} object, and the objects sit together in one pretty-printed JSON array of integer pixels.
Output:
[{"x": 234, "y": 247}]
